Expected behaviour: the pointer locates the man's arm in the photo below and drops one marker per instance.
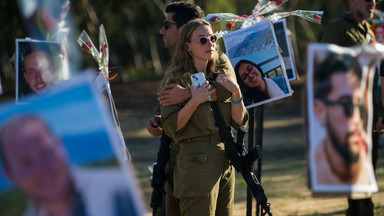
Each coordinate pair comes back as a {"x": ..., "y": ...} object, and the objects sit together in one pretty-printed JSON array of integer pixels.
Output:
[{"x": 173, "y": 94}]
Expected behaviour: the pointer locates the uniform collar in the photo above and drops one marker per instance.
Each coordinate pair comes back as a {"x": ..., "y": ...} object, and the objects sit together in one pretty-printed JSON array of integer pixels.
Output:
[{"x": 363, "y": 28}]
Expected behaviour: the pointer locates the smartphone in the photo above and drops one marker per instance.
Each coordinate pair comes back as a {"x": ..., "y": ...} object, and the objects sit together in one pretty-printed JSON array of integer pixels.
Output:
[{"x": 198, "y": 79}]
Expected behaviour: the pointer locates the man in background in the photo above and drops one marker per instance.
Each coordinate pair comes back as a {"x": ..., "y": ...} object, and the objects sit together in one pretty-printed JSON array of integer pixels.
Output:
[
  {"x": 352, "y": 28},
  {"x": 177, "y": 15}
]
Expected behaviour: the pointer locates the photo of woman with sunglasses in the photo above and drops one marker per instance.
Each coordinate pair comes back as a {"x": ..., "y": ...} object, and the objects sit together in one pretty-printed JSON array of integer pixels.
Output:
[
  {"x": 255, "y": 85},
  {"x": 338, "y": 123},
  {"x": 204, "y": 180}
]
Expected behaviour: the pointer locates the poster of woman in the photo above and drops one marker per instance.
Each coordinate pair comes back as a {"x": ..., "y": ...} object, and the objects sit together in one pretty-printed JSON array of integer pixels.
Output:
[{"x": 257, "y": 62}]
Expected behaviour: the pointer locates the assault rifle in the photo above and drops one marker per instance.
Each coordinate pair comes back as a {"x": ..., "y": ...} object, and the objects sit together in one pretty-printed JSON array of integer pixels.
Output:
[
  {"x": 242, "y": 161},
  {"x": 158, "y": 174}
]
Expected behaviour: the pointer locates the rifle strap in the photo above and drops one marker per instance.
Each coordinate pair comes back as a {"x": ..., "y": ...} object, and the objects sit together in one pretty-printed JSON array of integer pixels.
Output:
[
  {"x": 223, "y": 129},
  {"x": 228, "y": 140},
  {"x": 239, "y": 165}
]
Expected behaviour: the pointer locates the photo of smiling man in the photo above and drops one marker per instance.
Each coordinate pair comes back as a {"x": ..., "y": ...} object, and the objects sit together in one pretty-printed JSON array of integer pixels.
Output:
[
  {"x": 338, "y": 115},
  {"x": 38, "y": 66}
]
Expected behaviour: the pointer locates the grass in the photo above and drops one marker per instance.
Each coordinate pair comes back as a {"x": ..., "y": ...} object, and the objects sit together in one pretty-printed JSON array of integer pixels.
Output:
[
  {"x": 284, "y": 174},
  {"x": 133, "y": 75},
  {"x": 285, "y": 184}
]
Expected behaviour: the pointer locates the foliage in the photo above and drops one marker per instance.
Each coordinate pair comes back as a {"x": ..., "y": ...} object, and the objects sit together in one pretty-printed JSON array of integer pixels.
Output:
[
  {"x": 11, "y": 27},
  {"x": 132, "y": 29}
]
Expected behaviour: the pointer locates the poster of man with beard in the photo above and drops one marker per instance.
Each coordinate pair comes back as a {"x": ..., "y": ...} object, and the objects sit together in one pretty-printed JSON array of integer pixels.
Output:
[{"x": 339, "y": 101}]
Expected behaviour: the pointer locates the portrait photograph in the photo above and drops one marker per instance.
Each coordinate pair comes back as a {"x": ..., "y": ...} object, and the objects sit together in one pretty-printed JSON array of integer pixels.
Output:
[
  {"x": 339, "y": 119},
  {"x": 255, "y": 57},
  {"x": 63, "y": 147},
  {"x": 284, "y": 42},
  {"x": 38, "y": 66}
]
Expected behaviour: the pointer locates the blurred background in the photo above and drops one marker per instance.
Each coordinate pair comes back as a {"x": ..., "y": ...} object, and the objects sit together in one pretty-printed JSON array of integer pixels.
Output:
[{"x": 132, "y": 28}]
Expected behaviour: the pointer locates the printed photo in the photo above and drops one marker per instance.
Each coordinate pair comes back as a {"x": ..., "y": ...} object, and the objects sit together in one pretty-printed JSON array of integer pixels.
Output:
[
  {"x": 38, "y": 67},
  {"x": 62, "y": 149},
  {"x": 255, "y": 57},
  {"x": 378, "y": 30},
  {"x": 1, "y": 88},
  {"x": 339, "y": 119},
  {"x": 285, "y": 46}
]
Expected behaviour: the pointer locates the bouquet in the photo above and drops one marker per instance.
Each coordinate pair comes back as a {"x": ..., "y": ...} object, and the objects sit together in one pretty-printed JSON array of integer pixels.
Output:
[{"x": 223, "y": 23}]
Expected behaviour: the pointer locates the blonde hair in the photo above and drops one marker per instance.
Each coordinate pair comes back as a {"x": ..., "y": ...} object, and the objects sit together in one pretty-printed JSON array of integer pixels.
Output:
[{"x": 182, "y": 62}]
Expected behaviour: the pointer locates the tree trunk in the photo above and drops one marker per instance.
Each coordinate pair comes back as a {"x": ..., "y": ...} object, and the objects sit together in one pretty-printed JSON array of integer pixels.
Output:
[
  {"x": 129, "y": 33},
  {"x": 92, "y": 25},
  {"x": 154, "y": 52}
]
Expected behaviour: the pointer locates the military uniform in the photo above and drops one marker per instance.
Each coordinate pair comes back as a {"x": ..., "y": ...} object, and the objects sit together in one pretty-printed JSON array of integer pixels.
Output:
[
  {"x": 346, "y": 32},
  {"x": 204, "y": 180},
  {"x": 171, "y": 202}
]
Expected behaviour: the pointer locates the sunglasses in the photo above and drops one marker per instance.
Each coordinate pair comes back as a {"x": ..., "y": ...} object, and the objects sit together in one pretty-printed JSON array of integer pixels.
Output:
[
  {"x": 168, "y": 24},
  {"x": 347, "y": 104},
  {"x": 204, "y": 39}
]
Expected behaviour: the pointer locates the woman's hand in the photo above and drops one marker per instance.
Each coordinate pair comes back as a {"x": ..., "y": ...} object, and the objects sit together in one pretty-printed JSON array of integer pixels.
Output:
[
  {"x": 238, "y": 110},
  {"x": 199, "y": 95},
  {"x": 228, "y": 82},
  {"x": 202, "y": 94}
]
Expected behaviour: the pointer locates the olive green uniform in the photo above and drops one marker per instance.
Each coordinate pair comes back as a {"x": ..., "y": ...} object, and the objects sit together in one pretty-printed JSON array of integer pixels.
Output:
[
  {"x": 171, "y": 202},
  {"x": 203, "y": 178},
  {"x": 346, "y": 32}
]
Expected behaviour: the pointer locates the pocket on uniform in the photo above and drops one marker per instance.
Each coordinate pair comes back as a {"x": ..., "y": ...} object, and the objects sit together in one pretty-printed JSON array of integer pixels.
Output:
[
  {"x": 196, "y": 157},
  {"x": 195, "y": 175}
]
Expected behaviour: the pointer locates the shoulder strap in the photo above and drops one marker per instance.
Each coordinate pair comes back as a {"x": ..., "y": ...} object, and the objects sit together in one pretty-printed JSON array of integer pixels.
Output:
[
  {"x": 240, "y": 163},
  {"x": 228, "y": 139}
]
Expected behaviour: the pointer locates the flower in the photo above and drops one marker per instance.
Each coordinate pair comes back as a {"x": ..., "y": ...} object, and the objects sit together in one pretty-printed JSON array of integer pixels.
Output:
[
  {"x": 317, "y": 17},
  {"x": 104, "y": 48},
  {"x": 229, "y": 26},
  {"x": 277, "y": 2},
  {"x": 87, "y": 46},
  {"x": 214, "y": 19}
]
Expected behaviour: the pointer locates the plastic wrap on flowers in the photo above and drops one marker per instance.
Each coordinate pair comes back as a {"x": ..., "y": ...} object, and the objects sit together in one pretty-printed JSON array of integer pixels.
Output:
[
  {"x": 87, "y": 45},
  {"x": 223, "y": 23},
  {"x": 104, "y": 51},
  {"x": 101, "y": 56},
  {"x": 312, "y": 16},
  {"x": 102, "y": 59},
  {"x": 266, "y": 6}
]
